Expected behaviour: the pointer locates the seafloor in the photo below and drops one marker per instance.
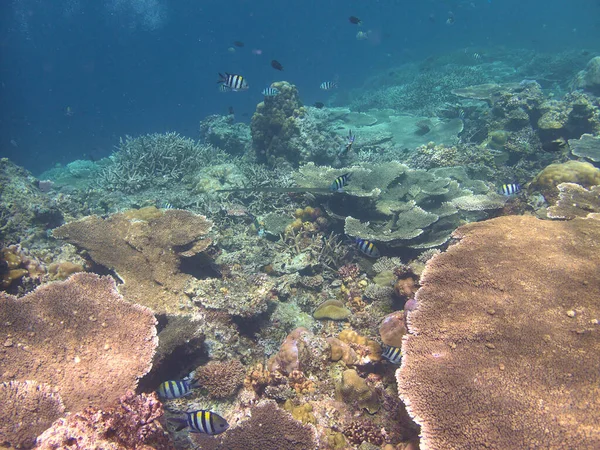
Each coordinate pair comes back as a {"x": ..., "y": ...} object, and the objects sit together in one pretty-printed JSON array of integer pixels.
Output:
[{"x": 466, "y": 235}]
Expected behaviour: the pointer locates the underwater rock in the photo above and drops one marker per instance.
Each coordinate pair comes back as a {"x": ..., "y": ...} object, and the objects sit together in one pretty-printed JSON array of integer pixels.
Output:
[
  {"x": 79, "y": 336},
  {"x": 575, "y": 201},
  {"x": 332, "y": 310},
  {"x": 476, "y": 347},
  {"x": 145, "y": 247},
  {"x": 587, "y": 146},
  {"x": 28, "y": 408}
]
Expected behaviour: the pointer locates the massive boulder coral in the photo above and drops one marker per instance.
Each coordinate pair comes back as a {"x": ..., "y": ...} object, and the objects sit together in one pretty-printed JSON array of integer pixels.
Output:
[
  {"x": 78, "y": 336},
  {"x": 589, "y": 78},
  {"x": 145, "y": 247},
  {"x": 504, "y": 344}
]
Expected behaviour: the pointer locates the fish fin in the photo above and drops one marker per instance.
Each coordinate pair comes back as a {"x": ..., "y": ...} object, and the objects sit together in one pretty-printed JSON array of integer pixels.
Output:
[
  {"x": 195, "y": 383},
  {"x": 181, "y": 423},
  {"x": 222, "y": 78}
]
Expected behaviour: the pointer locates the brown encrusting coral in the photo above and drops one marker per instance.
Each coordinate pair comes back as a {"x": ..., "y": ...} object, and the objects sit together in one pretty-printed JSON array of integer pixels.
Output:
[
  {"x": 80, "y": 337},
  {"x": 268, "y": 428},
  {"x": 145, "y": 248},
  {"x": 131, "y": 425},
  {"x": 504, "y": 343},
  {"x": 28, "y": 408}
]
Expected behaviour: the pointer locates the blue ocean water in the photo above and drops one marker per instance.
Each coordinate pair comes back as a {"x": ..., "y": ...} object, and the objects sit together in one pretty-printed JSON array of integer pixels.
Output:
[{"x": 76, "y": 75}]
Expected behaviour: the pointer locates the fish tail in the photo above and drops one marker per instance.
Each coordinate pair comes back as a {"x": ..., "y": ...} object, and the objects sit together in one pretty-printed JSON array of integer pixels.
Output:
[{"x": 222, "y": 78}]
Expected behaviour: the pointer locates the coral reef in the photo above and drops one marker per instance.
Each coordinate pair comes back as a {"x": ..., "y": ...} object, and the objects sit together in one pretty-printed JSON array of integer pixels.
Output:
[
  {"x": 28, "y": 408},
  {"x": 25, "y": 211},
  {"x": 354, "y": 390},
  {"x": 154, "y": 160},
  {"x": 575, "y": 201},
  {"x": 392, "y": 329},
  {"x": 332, "y": 310},
  {"x": 145, "y": 247},
  {"x": 221, "y": 379},
  {"x": 587, "y": 146},
  {"x": 589, "y": 78},
  {"x": 78, "y": 336},
  {"x": 499, "y": 327},
  {"x": 223, "y": 133},
  {"x": 268, "y": 428},
  {"x": 578, "y": 172},
  {"x": 302, "y": 351},
  {"x": 131, "y": 425}
]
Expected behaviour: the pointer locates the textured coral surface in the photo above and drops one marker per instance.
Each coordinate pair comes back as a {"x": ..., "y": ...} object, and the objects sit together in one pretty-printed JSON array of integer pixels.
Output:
[
  {"x": 505, "y": 340},
  {"x": 78, "y": 336}
]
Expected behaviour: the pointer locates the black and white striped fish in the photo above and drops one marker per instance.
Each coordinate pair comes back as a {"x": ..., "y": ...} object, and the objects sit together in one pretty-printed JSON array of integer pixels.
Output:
[
  {"x": 367, "y": 247},
  {"x": 511, "y": 189},
  {"x": 270, "y": 92},
  {"x": 328, "y": 85},
  {"x": 202, "y": 421},
  {"x": 233, "y": 82},
  {"x": 392, "y": 354},
  {"x": 224, "y": 88},
  {"x": 340, "y": 182},
  {"x": 175, "y": 388}
]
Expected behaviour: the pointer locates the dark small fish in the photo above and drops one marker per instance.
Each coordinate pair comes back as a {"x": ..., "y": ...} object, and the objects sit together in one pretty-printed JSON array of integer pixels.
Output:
[
  {"x": 450, "y": 19},
  {"x": 348, "y": 145},
  {"x": 340, "y": 182},
  {"x": 175, "y": 388},
  {"x": 319, "y": 105},
  {"x": 233, "y": 81},
  {"x": 367, "y": 247},
  {"x": 328, "y": 85},
  {"x": 270, "y": 92},
  {"x": 511, "y": 189},
  {"x": 392, "y": 354},
  {"x": 231, "y": 111},
  {"x": 202, "y": 421},
  {"x": 276, "y": 65},
  {"x": 355, "y": 20},
  {"x": 238, "y": 43}
]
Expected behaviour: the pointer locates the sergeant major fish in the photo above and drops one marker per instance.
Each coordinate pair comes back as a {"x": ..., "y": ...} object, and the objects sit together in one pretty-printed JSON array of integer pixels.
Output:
[
  {"x": 392, "y": 354},
  {"x": 511, "y": 189},
  {"x": 328, "y": 85},
  {"x": 367, "y": 247},
  {"x": 340, "y": 182},
  {"x": 202, "y": 421},
  {"x": 175, "y": 388},
  {"x": 270, "y": 92},
  {"x": 233, "y": 81}
]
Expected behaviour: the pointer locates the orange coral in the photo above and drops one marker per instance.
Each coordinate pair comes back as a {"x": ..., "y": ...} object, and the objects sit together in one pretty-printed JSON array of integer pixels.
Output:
[{"x": 504, "y": 343}]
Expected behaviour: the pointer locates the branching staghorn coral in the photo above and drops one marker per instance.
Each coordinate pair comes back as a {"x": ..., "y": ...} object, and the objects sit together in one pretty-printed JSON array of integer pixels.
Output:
[{"x": 155, "y": 159}]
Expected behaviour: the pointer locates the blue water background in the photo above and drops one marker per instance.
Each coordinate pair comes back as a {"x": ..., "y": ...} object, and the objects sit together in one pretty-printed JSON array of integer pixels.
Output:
[{"x": 78, "y": 74}]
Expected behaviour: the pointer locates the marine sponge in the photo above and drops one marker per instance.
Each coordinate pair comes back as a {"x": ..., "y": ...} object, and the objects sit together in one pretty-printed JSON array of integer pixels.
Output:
[{"x": 222, "y": 379}]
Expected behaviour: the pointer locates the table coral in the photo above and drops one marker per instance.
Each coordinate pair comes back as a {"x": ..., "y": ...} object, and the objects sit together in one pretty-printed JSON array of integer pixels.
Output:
[
  {"x": 502, "y": 350},
  {"x": 145, "y": 248},
  {"x": 78, "y": 336},
  {"x": 587, "y": 146},
  {"x": 579, "y": 172},
  {"x": 575, "y": 201},
  {"x": 28, "y": 408},
  {"x": 132, "y": 424}
]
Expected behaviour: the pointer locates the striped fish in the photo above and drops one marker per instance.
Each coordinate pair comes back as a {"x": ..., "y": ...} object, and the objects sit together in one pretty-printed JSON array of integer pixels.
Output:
[
  {"x": 328, "y": 85},
  {"x": 224, "y": 88},
  {"x": 174, "y": 389},
  {"x": 392, "y": 354},
  {"x": 367, "y": 247},
  {"x": 511, "y": 189},
  {"x": 339, "y": 183},
  {"x": 270, "y": 92},
  {"x": 233, "y": 82},
  {"x": 202, "y": 421}
]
